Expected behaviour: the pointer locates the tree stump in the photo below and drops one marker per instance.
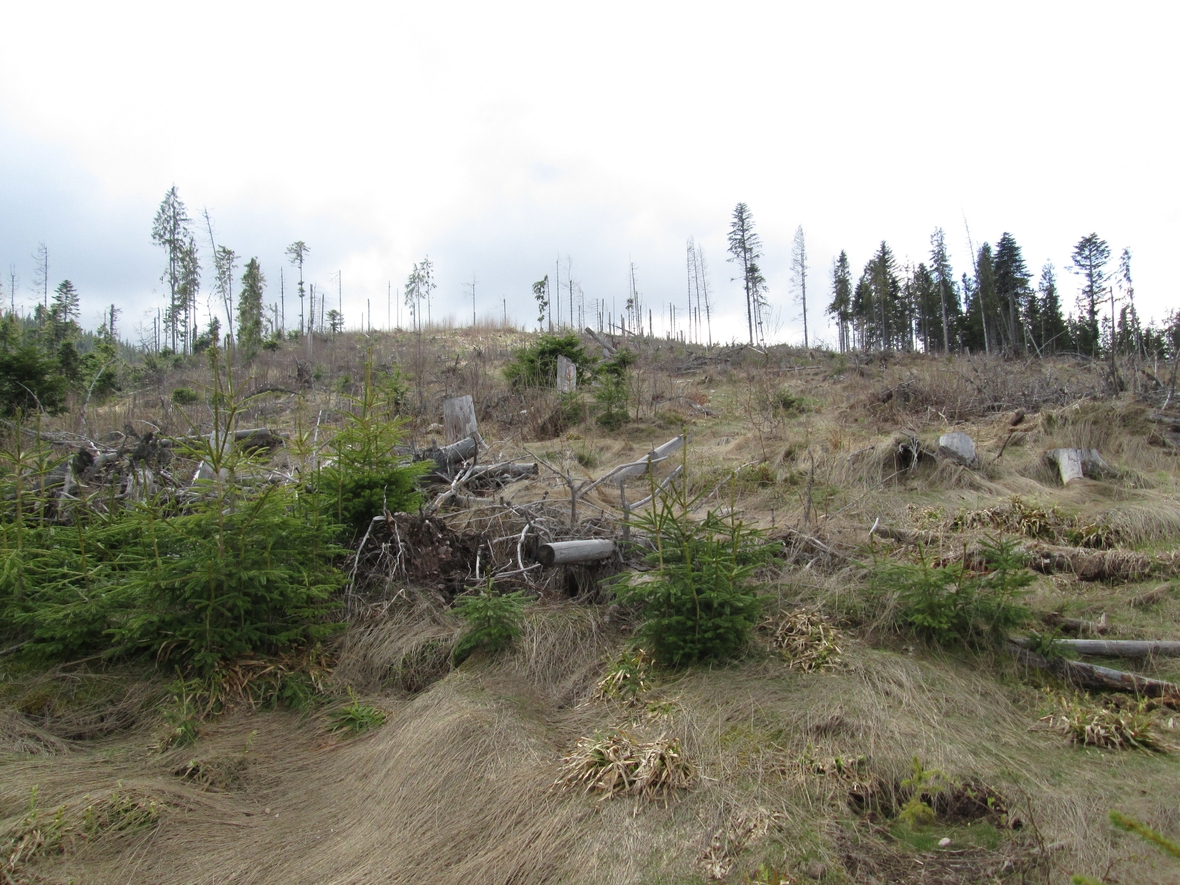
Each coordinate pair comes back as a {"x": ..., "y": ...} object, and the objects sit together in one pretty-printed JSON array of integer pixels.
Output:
[
  {"x": 567, "y": 375},
  {"x": 459, "y": 420}
]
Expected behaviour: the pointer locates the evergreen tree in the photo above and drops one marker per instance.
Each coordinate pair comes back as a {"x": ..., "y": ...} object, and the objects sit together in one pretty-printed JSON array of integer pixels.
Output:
[
  {"x": 888, "y": 309},
  {"x": 841, "y": 306},
  {"x": 928, "y": 309},
  {"x": 948, "y": 296},
  {"x": 190, "y": 287},
  {"x": 1050, "y": 331},
  {"x": 296, "y": 254},
  {"x": 1130, "y": 331},
  {"x": 63, "y": 314},
  {"x": 1090, "y": 256},
  {"x": 171, "y": 231},
  {"x": 745, "y": 248},
  {"x": 980, "y": 326},
  {"x": 1012, "y": 291},
  {"x": 224, "y": 264},
  {"x": 250, "y": 309}
]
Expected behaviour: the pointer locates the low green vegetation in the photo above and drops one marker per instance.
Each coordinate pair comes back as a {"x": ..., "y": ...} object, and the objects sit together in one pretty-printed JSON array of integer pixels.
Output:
[
  {"x": 493, "y": 621},
  {"x": 535, "y": 365},
  {"x": 956, "y": 602},
  {"x": 697, "y": 602}
]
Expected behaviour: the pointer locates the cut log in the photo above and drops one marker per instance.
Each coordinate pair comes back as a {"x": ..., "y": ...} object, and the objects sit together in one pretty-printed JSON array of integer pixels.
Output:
[
  {"x": 1099, "y": 678},
  {"x": 1114, "y": 648},
  {"x": 958, "y": 447},
  {"x": 1075, "y": 463},
  {"x": 567, "y": 375},
  {"x": 567, "y": 552},
  {"x": 457, "y": 452},
  {"x": 509, "y": 472},
  {"x": 459, "y": 418}
]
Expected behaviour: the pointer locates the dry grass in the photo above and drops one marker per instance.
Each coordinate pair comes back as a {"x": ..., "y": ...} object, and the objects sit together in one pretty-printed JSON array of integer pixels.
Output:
[
  {"x": 456, "y": 786},
  {"x": 806, "y": 640},
  {"x": 618, "y": 764},
  {"x": 1114, "y": 724}
]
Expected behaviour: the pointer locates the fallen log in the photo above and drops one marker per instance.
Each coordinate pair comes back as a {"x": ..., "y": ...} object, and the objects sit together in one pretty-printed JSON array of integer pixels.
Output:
[
  {"x": 256, "y": 438},
  {"x": 567, "y": 552},
  {"x": 1099, "y": 565},
  {"x": 1076, "y": 625},
  {"x": 608, "y": 349},
  {"x": 1092, "y": 676},
  {"x": 1114, "y": 648},
  {"x": 640, "y": 467}
]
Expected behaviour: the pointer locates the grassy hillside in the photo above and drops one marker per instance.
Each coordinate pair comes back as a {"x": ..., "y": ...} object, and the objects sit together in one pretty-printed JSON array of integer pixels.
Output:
[{"x": 844, "y": 745}]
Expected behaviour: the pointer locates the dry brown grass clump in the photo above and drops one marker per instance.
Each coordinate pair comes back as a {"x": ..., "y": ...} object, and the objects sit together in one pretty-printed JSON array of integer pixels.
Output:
[
  {"x": 616, "y": 764},
  {"x": 1113, "y": 724},
  {"x": 806, "y": 640}
]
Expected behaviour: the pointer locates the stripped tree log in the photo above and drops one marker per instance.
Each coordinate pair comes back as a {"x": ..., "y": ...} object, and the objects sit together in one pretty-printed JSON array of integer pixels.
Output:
[
  {"x": 254, "y": 439},
  {"x": 640, "y": 467},
  {"x": 1099, "y": 678},
  {"x": 608, "y": 349},
  {"x": 1114, "y": 648},
  {"x": 569, "y": 552}
]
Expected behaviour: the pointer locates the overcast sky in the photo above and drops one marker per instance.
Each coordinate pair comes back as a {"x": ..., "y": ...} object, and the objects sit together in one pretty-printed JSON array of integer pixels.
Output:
[{"x": 496, "y": 138}]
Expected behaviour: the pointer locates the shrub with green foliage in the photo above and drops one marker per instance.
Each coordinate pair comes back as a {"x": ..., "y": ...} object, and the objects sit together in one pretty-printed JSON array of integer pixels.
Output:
[
  {"x": 30, "y": 380},
  {"x": 365, "y": 476},
  {"x": 536, "y": 364},
  {"x": 239, "y": 568},
  {"x": 952, "y": 603},
  {"x": 612, "y": 390},
  {"x": 697, "y": 603},
  {"x": 493, "y": 621}
]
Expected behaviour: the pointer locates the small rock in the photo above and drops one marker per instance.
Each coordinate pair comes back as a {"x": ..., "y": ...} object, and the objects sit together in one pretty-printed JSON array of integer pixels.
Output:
[{"x": 944, "y": 842}]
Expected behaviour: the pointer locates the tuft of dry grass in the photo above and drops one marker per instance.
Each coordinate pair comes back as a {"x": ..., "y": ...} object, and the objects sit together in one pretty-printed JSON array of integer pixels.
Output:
[
  {"x": 806, "y": 640},
  {"x": 616, "y": 764},
  {"x": 1113, "y": 724}
]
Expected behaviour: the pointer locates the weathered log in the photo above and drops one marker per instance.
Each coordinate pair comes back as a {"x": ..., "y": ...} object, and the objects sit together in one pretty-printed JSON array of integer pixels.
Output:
[
  {"x": 608, "y": 349},
  {"x": 566, "y": 552},
  {"x": 456, "y": 453},
  {"x": 1077, "y": 625},
  {"x": 1114, "y": 648},
  {"x": 459, "y": 420},
  {"x": 640, "y": 467},
  {"x": 256, "y": 438},
  {"x": 1099, "y": 678},
  {"x": 509, "y": 471},
  {"x": 1075, "y": 463}
]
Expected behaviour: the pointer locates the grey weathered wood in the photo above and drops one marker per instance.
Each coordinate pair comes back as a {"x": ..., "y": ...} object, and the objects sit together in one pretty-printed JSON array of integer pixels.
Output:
[
  {"x": 1075, "y": 463},
  {"x": 567, "y": 375},
  {"x": 958, "y": 447},
  {"x": 567, "y": 552},
  {"x": 1100, "y": 678},
  {"x": 608, "y": 349},
  {"x": 1069, "y": 464},
  {"x": 1114, "y": 648},
  {"x": 459, "y": 419},
  {"x": 640, "y": 467}
]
